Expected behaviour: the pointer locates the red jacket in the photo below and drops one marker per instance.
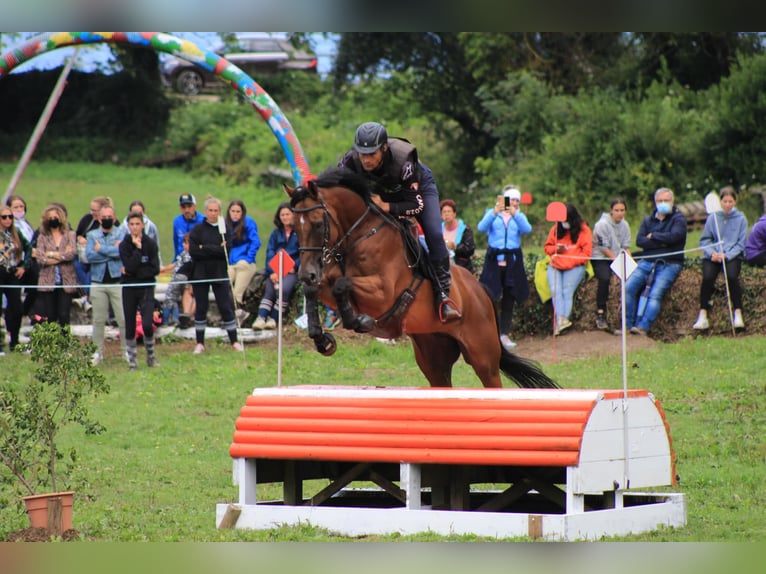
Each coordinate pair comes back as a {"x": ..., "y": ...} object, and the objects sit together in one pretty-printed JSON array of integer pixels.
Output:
[{"x": 575, "y": 253}]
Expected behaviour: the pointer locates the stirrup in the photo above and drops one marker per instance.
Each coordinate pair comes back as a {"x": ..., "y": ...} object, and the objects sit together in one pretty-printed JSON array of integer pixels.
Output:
[{"x": 452, "y": 307}]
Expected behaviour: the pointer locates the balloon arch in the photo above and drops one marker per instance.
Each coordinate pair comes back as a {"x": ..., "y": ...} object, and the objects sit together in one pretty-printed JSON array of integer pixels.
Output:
[{"x": 186, "y": 50}]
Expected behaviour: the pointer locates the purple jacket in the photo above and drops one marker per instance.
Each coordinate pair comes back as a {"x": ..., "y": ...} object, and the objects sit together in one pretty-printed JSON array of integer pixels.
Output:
[{"x": 755, "y": 244}]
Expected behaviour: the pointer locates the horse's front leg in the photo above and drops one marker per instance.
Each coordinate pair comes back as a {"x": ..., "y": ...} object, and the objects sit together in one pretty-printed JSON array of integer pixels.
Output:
[
  {"x": 324, "y": 342},
  {"x": 341, "y": 291}
]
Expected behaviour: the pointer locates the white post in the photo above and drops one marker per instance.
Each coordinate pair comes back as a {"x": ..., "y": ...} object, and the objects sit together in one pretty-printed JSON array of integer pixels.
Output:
[
  {"x": 40, "y": 127},
  {"x": 279, "y": 322}
]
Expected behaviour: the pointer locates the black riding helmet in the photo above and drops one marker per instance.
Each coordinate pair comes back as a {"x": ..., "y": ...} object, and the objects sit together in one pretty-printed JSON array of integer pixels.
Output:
[{"x": 370, "y": 137}]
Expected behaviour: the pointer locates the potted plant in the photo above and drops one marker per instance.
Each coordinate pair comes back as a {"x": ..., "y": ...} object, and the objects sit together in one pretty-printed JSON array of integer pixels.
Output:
[{"x": 33, "y": 413}]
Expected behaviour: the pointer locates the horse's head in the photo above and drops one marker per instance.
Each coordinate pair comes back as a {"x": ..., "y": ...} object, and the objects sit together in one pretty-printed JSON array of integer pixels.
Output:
[
  {"x": 327, "y": 214},
  {"x": 310, "y": 224}
]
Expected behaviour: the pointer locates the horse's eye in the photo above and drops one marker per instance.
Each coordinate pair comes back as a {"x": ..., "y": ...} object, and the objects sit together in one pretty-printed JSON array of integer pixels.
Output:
[{"x": 317, "y": 225}]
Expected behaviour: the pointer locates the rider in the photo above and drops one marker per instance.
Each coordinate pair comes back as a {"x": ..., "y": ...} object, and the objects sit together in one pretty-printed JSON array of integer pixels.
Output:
[{"x": 409, "y": 190}]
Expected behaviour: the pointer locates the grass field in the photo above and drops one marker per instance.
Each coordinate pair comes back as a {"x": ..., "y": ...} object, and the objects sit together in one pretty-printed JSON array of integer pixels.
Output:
[{"x": 163, "y": 464}]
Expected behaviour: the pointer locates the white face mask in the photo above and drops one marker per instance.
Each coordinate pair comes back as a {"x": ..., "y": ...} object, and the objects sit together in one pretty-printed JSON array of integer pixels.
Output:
[
  {"x": 19, "y": 214},
  {"x": 565, "y": 224}
]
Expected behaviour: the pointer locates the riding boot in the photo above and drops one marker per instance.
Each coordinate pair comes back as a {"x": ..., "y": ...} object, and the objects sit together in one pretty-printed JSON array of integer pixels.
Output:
[{"x": 446, "y": 308}]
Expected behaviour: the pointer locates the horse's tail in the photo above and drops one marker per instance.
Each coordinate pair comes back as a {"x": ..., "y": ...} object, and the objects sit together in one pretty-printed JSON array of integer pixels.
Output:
[{"x": 524, "y": 372}]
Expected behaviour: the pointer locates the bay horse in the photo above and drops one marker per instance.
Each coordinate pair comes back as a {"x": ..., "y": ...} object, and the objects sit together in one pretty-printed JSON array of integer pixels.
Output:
[{"x": 355, "y": 257}]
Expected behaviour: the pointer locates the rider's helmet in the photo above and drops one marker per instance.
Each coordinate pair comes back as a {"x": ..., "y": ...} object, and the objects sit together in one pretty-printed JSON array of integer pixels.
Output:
[{"x": 370, "y": 137}]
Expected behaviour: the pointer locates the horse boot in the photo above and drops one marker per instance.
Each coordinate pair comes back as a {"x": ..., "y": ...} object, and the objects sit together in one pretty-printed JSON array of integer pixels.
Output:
[{"x": 446, "y": 308}]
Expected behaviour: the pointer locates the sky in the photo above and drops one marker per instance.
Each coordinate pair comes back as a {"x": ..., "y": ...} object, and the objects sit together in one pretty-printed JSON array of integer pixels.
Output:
[{"x": 91, "y": 57}]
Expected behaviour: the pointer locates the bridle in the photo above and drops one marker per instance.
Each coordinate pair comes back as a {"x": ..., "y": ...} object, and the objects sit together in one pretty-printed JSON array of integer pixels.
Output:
[{"x": 333, "y": 253}]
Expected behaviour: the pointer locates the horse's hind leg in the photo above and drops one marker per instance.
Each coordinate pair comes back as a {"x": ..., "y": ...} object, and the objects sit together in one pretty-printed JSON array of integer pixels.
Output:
[
  {"x": 341, "y": 291},
  {"x": 436, "y": 354},
  {"x": 483, "y": 354}
]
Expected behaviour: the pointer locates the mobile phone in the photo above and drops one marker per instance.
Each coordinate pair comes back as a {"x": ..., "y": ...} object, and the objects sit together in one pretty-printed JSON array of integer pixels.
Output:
[{"x": 507, "y": 201}]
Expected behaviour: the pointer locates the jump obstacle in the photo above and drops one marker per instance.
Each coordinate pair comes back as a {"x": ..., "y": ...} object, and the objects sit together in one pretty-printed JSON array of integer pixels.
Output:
[{"x": 545, "y": 463}]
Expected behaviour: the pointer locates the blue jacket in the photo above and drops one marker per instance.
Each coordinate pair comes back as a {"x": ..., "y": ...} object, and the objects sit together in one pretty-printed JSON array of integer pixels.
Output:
[
  {"x": 501, "y": 236},
  {"x": 182, "y": 226},
  {"x": 247, "y": 250},
  {"x": 276, "y": 242},
  {"x": 108, "y": 253},
  {"x": 733, "y": 228}
]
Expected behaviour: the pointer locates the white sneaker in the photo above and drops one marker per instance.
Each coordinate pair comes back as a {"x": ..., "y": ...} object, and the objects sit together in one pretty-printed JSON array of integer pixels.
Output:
[
  {"x": 237, "y": 346},
  {"x": 506, "y": 342},
  {"x": 739, "y": 323},
  {"x": 96, "y": 359},
  {"x": 563, "y": 325},
  {"x": 200, "y": 348},
  {"x": 270, "y": 323},
  {"x": 702, "y": 322},
  {"x": 260, "y": 323}
]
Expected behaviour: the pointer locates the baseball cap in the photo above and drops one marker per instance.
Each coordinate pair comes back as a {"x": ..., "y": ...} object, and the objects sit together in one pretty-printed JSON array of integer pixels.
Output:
[
  {"x": 186, "y": 198},
  {"x": 512, "y": 192}
]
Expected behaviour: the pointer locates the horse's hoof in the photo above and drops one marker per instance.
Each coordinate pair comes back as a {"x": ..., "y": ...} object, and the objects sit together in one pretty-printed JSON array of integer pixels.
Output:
[
  {"x": 325, "y": 344},
  {"x": 364, "y": 324}
]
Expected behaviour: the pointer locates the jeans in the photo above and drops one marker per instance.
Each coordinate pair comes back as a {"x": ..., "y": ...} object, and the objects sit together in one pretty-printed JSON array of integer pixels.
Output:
[
  {"x": 563, "y": 285},
  {"x": 648, "y": 303}
]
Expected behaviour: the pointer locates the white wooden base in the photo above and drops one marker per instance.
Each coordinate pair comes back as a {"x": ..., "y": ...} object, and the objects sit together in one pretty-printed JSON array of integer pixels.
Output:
[{"x": 661, "y": 510}]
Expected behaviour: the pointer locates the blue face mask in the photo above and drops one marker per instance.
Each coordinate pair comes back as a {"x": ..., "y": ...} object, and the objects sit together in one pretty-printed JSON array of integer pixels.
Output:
[{"x": 664, "y": 208}]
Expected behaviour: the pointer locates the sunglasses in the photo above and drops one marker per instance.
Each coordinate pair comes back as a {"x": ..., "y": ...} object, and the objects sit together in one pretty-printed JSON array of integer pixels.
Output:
[{"x": 6, "y": 216}]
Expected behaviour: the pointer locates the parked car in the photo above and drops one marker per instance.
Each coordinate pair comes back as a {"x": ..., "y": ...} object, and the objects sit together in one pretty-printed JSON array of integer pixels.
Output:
[{"x": 255, "y": 55}]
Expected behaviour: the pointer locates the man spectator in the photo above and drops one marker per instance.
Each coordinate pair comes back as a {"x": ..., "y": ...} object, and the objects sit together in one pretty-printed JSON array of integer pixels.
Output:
[
  {"x": 662, "y": 236},
  {"x": 87, "y": 223},
  {"x": 103, "y": 251},
  {"x": 755, "y": 244},
  {"x": 185, "y": 221}
]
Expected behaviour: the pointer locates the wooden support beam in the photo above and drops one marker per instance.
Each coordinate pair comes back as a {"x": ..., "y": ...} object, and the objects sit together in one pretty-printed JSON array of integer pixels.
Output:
[
  {"x": 231, "y": 516},
  {"x": 350, "y": 475},
  {"x": 55, "y": 510}
]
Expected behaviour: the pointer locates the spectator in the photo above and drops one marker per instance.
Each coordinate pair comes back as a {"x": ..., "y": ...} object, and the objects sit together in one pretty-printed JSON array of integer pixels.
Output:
[
  {"x": 179, "y": 291},
  {"x": 570, "y": 246},
  {"x": 726, "y": 249},
  {"x": 55, "y": 253},
  {"x": 282, "y": 237},
  {"x": 207, "y": 246},
  {"x": 137, "y": 206},
  {"x": 458, "y": 237},
  {"x": 15, "y": 259},
  {"x": 103, "y": 252},
  {"x": 31, "y": 269},
  {"x": 185, "y": 221},
  {"x": 611, "y": 234},
  {"x": 503, "y": 273},
  {"x": 141, "y": 263},
  {"x": 245, "y": 243},
  {"x": 755, "y": 245},
  {"x": 87, "y": 223},
  {"x": 662, "y": 236}
]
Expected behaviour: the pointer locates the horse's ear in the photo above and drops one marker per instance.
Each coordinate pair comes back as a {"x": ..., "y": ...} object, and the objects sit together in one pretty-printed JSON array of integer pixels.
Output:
[{"x": 289, "y": 190}]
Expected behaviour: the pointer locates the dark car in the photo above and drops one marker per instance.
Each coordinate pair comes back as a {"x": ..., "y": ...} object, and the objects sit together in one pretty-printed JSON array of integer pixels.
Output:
[{"x": 256, "y": 56}]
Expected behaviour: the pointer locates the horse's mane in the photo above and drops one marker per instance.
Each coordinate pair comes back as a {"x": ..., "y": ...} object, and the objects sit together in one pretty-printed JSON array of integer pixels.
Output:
[{"x": 344, "y": 177}]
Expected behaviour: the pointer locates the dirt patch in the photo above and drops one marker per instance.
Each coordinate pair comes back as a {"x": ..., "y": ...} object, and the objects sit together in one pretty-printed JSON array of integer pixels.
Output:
[
  {"x": 578, "y": 345},
  {"x": 40, "y": 535}
]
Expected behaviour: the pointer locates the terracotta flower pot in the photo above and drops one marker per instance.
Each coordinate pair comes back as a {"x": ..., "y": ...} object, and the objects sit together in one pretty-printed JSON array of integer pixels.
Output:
[{"x": 37, "y": 509}]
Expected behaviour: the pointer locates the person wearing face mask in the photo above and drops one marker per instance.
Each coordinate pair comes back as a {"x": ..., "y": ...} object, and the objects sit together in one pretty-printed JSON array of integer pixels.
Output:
[
  {"x": 55, "y": 252},
  {"x": 19, "y": 208},
  {"x": 662, "y": 236},
  {"x": 103, "y": 252},
  {"x": 570, "y": 246}
]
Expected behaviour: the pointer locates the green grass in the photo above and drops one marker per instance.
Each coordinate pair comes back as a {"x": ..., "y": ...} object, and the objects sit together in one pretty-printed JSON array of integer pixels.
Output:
[
  {"x": 75, "y": 184},
  {"x": 163, "y": 464}
]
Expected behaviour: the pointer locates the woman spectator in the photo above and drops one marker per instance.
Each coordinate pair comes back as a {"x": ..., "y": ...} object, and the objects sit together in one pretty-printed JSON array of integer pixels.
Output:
[
  {"x": 245, "y": 243},
  {"x": 726, "y": 249},
  {"x": 19, "y": 208},
  {"x": 570, "y": 246},
  {"x": 15, "y": 258},
  {"x": 282, "y": 237},
  {"x": 503, "y": 273},
  {"x": 457, "y": 235},
  {"x": 55, "y": 253},
  {"x": 207, "y": 247},
  {"x": 611, "y": 234}
]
